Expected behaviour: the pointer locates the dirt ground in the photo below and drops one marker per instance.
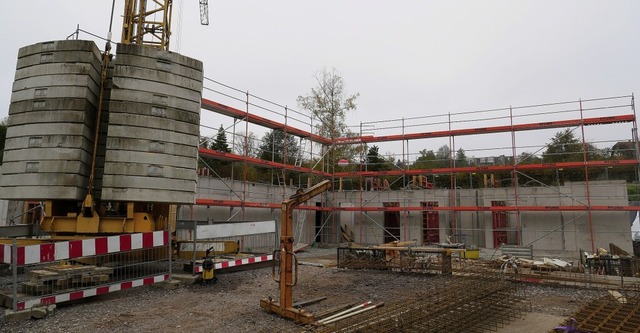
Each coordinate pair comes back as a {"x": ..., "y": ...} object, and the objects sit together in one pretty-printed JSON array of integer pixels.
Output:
[{"x": 232, "y": 304}]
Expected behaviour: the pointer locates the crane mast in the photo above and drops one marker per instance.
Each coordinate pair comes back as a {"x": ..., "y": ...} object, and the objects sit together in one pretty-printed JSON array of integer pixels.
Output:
[{"x": 147, "y": 23}]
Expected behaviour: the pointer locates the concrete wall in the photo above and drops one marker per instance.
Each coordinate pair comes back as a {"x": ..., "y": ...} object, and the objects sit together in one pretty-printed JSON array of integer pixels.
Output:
[{"x": 544, "y": 229}]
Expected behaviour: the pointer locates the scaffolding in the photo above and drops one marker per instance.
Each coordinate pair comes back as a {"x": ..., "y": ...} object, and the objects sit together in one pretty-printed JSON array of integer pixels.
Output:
[{"x": 508, "y": 158}]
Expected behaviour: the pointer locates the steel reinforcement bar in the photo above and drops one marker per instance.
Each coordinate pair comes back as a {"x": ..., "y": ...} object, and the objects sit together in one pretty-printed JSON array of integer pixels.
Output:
[{"x": 463, "y": 305}]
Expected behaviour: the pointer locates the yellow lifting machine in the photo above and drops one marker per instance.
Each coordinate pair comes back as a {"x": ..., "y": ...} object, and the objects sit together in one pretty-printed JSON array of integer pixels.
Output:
[{"x": 288, "y": 261}]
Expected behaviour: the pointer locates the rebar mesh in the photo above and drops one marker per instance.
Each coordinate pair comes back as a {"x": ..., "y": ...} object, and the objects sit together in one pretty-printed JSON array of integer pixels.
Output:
[{"x": 464, "y": 305}]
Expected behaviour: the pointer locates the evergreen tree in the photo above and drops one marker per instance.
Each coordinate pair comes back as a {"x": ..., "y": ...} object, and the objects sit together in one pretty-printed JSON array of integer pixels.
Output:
[
  {"x": 220, "y": 142},
  {"x": 272, "y": 147}
]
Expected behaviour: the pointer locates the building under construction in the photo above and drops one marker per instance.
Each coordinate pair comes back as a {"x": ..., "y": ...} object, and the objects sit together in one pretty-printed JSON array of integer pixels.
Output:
[
  {"x": 505, "y": 194},
  {"x": 102, "y": 152}
]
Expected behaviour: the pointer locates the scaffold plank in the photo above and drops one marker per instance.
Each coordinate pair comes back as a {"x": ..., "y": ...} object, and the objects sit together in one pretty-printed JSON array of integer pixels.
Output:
[
  {"x": 256, "y": 161},
  {"x": 488, "y": 169},
  {"x": 488, "y": 130},
  {"x": 255, "y": 119}
]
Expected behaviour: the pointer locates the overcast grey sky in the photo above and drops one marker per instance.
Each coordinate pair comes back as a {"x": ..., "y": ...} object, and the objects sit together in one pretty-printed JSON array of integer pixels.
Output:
[{"x": 405, "y": 58}]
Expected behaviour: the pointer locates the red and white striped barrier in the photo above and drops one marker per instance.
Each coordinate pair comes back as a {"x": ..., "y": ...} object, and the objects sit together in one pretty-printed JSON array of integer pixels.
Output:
[
  {"x": 238, "y": 262},
  {"x": 74, "y": 295},
  {"x": 33, "y": 254}
]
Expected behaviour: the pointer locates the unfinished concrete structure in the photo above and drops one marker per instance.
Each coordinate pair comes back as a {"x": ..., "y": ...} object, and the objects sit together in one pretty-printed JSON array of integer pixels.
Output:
[{"x": 466, "y": 205}]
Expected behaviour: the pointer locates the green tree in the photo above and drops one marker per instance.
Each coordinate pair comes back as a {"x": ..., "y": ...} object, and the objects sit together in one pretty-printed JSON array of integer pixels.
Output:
[
  {"x": 461, "y": 158},
  {"x": 272, "y": 147},
  {"x": 426, "y": 160},
  {"x": 565, "y": 147},
  {"x": 329, "y": 104},
  {"x": 220, "y": 143},
  {"x": 375, "y": 162},
  {"x": 442, "y": 156}
]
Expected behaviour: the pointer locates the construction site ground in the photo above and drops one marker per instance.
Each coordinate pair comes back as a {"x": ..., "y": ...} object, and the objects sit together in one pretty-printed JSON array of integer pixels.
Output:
[{"x": 232, "y": 304}]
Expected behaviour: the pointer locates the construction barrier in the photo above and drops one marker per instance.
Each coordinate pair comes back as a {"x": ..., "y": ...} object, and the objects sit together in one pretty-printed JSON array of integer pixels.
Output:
[
  {"x": 51, "y": 273},
  {"x": 231, "y": 244}
]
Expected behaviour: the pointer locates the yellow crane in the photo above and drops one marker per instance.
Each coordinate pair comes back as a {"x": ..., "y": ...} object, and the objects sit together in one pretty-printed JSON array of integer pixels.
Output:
[
  {"x": 145, "y": 23},
  {"x": 148, "y": 23}
]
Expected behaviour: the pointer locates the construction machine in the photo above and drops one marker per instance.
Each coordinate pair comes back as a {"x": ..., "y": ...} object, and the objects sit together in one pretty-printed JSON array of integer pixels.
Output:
[
  {"x": 147, "y": 24},
  {"x": 288, "y": 260}
]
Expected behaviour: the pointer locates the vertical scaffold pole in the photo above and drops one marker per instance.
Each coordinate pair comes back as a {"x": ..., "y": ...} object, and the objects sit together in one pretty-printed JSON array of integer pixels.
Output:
[
  {"x": 244, "y": 163},
  {"x": 586, "y": 179},
  {"x": 514, "y": 176}
]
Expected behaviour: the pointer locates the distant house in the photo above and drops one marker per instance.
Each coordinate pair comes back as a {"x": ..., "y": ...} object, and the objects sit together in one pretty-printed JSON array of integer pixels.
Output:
[{"x": 624, "y": 150}]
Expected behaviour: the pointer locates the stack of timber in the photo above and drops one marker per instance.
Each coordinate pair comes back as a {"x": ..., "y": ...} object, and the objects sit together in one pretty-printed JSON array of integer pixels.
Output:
[{"x": 60, "y": 277}]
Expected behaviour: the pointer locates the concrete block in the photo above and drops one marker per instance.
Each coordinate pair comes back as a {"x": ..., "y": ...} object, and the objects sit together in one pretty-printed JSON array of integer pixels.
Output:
[
  {"x": 159, "y": 54},
  {"x": 60, "y": 129},
  {"x": 51, "y": 166},
  {"x": 40, "y": 193},
  {"x": 122, "y": 131},
  {"x": 156, "y": 88},
  {"x": 159, "y": 64},
  {"x": 44, "y": 180},
  {"x": 57, "y": 69},
  {"x": 48, "y": 81},
  {"x": 20, "y": 315},
  {"x": 149, "y": 109},
  {"x": 156, "y": 124},
  {"x": 51, "y": 104},
  {"x": 150, "y": 158},
  {"x": 146, "y": 170},
  {"x": 54, "y": 92},
  {"x": 60, "y": 45},
  {"x": 49, "y": 141},
  {"x": 59, "y": 57},
  {"x": 50, "y": 154},
  {"x": 52, "y": 117},
  {"x": 152, "y": 146},
  {"x": 193, "y": 83},
  {"x": 39, "y": 312},
  {"x": 144, "y": 195},
  {"x": 149, "y": 183},
  {"x": 151, "y": 97}
]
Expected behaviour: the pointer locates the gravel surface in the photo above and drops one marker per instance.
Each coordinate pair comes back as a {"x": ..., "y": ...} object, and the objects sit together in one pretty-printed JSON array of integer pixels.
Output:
[{"x": 232, "y": 304}]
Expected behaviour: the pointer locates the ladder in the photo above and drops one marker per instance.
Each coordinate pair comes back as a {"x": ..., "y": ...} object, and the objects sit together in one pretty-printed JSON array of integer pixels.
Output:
[
  {"x": 302, "y": 147},
  {"x": 281, "y": 179}
]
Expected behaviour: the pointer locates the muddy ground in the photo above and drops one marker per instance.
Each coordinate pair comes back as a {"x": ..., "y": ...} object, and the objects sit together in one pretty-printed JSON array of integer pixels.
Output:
[{"x": 232, "y": 304}]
